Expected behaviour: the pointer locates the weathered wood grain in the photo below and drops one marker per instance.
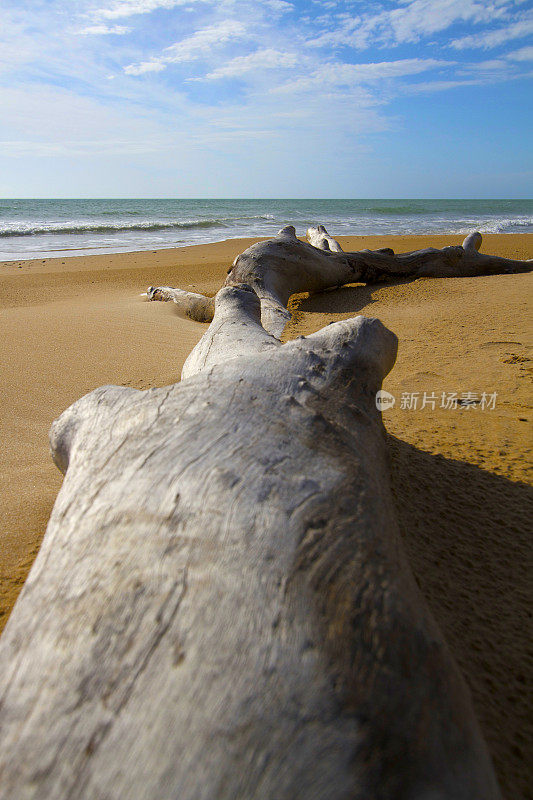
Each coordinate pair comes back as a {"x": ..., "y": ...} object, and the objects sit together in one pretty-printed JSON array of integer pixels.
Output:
[
  {"x": 221, "y": 608},
  {"x": 283, "y": 266},
  {"x": 188, "y": 304}
]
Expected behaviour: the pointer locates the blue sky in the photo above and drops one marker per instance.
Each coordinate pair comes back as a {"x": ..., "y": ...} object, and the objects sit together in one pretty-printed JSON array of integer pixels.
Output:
[{"x": 272, "y": 98}]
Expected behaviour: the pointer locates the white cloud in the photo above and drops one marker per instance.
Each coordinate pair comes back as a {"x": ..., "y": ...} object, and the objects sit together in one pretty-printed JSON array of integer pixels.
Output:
[
  {"x": 203, "y": 40},
  {"x": 524, "y": 54},
  {"x": 515, "y": 30},
  {"x": 439, "y": 86},
  {"x": 491, "y": 64},
  {"x": 495, "y": 69},
  {"x": 278, "y": 6},
  {"x": 128, "y": 8},
  {"x": 350, "y": 33},
  {"x": 51, "y": 44},
  {"x": 195, "y": 46},
  {"x": 154, "y": 65},
  {"x": 331, "y": 75},
  {"x": 261, "y": 59},
  {"x": 473, "y": 74},
  {"x": 104, "y": 30},
  {"x": 423, "y": 17},
  {"x": 392, "y": 69},
  {"x": 409, "y": 22},
  {"x": 328, "y": 104}
]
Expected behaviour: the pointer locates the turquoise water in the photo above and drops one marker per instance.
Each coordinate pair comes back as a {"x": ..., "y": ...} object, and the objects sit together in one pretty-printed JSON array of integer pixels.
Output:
[{"x": 40, "y": 228}]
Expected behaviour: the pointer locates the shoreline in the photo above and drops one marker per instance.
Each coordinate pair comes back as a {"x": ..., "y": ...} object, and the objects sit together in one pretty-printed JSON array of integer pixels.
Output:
[
  {"x": 71, "y": 228},
  {"x": 351, "y": 242},
  {"x": 200, "y": 268},
  {"x": 459, "y": 476}
]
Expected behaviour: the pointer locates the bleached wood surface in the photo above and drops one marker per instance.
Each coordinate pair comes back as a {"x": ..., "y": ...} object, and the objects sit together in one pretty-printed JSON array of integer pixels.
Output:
[
  {"x": 221, "y": 608},
  {"x": 283, "y": 266},
  {"x": 188, "y": 304},
  {"x": 319, "y": 237}
]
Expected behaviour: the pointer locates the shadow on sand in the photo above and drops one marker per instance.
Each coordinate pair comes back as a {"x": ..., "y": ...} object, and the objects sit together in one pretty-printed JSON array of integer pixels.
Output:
[
  {"x": 349, "y": 299},
  {"x": 468, "y": 537}
]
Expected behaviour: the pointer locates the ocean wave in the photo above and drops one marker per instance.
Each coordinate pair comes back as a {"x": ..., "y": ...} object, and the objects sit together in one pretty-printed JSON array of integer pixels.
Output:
[
  {"x": 457, "y": 226},
  {"x": 505, "y": 225},
  {"x": 81, "y": 228},
  {"x": 73, "y": 228}
]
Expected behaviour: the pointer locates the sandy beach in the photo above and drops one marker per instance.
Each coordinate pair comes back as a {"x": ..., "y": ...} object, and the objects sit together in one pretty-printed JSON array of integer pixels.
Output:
[{"x": 459, "y": 473}]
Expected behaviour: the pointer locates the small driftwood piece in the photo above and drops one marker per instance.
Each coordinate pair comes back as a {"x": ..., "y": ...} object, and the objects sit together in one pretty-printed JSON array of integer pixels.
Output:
[
  {"x": 189, "y": 304},
  {"x": 221, "y": 608},
  {"x": 283, "y": 266}
]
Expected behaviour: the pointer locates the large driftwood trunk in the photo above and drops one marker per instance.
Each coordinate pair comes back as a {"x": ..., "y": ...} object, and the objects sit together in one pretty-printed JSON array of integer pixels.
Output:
[
  {"x": 283, "y": 266},
  {"x": 221, "y": 608}
]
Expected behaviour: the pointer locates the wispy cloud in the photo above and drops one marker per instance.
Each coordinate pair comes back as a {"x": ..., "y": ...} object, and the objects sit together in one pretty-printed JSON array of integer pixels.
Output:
[
  {"x": 129, "y": 8},
  {"x": 196, "y": 79},
  {"x": 408, "y": 22},
  {"x": 278, "y": 6},
  {"x": 260, "y": 60},
  {"x": 426, "y": 17},
  {"x": 154, "y": 65},
  {"x": 488, "y": 39},
  {"x": 104, "y": 30},
  {"x": 524, "y": 54},
  {"x": 427, "y": 87},
  {"x": 193, "y": 47},
  {"x": 334, "y": 75}
]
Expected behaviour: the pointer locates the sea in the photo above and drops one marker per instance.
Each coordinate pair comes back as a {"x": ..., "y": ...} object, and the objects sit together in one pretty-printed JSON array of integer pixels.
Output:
[{"x": 45, "y": 228}]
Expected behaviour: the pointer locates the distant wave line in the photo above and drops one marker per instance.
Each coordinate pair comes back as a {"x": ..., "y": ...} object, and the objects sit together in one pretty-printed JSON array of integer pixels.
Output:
[
  {"x": 81, "y": 228},
  {"x": 260, "y": 225}
]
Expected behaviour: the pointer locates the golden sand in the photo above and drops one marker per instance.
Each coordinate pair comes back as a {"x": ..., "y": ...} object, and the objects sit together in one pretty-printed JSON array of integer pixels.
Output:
[{"x": 459, "y": 474}]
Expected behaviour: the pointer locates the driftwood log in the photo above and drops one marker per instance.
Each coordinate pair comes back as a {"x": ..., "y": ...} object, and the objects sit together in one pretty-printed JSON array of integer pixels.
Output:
[
  {"x": 221, "y": 608},
  {"x": 283, "y": 266}
]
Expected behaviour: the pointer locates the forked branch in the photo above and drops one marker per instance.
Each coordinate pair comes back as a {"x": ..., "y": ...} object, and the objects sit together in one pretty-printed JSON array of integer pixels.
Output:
[{"x": 283, "y": 266}]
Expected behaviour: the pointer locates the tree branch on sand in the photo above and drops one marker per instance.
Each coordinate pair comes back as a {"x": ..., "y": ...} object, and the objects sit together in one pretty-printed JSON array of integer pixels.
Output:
[
  {"x": 283, "y": 266},
  {"x": 221, "y": 608}
]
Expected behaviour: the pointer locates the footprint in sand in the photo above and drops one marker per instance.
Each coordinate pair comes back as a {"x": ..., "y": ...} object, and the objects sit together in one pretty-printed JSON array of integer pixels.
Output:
[
  {"x": 514, "y": 358},
  {"x": 426, "y": 375}
]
